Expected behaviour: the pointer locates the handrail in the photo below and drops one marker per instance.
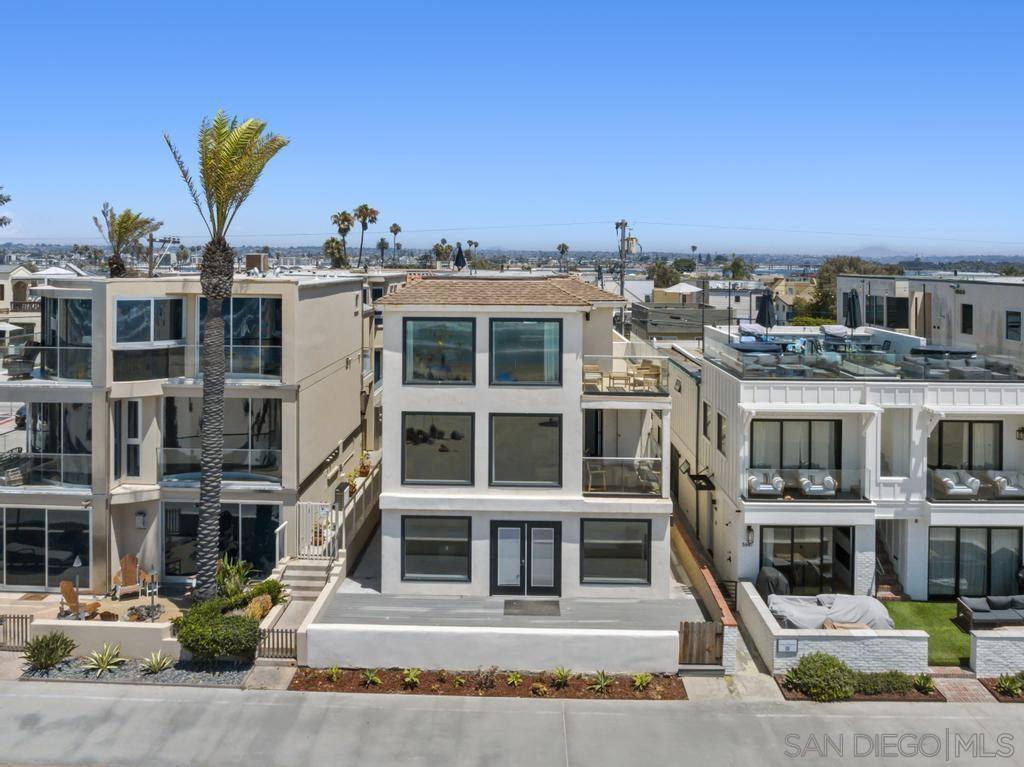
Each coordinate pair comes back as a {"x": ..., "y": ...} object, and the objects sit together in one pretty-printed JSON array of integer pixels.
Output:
[{"x": 277, "y": 540}]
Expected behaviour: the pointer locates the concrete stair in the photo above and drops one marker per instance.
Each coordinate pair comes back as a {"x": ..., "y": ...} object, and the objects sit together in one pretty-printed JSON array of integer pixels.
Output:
[
  {"x": 887, "y": 583},
  {"x": 304, "y": 579}
]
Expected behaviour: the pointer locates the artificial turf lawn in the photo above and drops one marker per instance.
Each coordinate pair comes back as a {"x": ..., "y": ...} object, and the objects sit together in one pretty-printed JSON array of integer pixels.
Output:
[{"x": 947, "y": 644}]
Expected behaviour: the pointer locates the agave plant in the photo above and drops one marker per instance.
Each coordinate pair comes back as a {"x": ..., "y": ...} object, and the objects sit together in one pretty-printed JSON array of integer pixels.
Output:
[
  {"x": 156, "y": 662},
  {"x": 232, "y": 156},
  {"x": 104, "y": 660}
]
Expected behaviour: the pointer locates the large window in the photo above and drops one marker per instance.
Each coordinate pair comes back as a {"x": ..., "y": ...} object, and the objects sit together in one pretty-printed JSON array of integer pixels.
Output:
[
  {"x": 246, "y": 531},
  {"x": 793, "y": 444},
  {"x": 59, "y": 447},
  {"x": 149, "y": 320},
  {"x": 438, "y": 351},
  {"x": 252, "y": 439},
  {"x": 896, "y": 441},
  {"x": 897, "y": 312},
  {"x": 436, "y": 548},
  {"x": 252, "y": 335},
  {"x": 526, "y": 450},
  {"x": 615, "y": 551},
  {"x": 814, "y": 560},
  {"x": 973, "y": 561},
  {"x": 874, "y": 310},
  {"x": 1013, "y": 326},
  {"x": 721, "y": 434},
  {"x": 40, "y": 547},
  {"x": 66, "y": 339},
  {"x": 705, "y": 427},
  {"x": 127, "y": 442},
  {"x": 437, "y": 448},
  {"x": 526, "y": 351},
  {"x": 974, "y": 445}
]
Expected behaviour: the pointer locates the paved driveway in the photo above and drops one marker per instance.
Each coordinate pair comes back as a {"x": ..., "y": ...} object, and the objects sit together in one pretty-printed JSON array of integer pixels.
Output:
[{"x": 51, "y": 723}]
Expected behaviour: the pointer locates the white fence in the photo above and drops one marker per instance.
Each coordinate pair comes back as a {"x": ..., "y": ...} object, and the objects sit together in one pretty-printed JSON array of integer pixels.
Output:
[{"x": 324, "y": 530}]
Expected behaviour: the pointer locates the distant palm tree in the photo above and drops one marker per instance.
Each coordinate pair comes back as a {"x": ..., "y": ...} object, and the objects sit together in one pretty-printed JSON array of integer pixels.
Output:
[
  {"x": 382, "y": 246},
  {"x": 123, "y": 232},
  {"x": 395, "y": 230},
  {"x": 334, "y": 252},
  {"x": 4, "y": 199},
  {"x": 562, "y": 249},
  {"x": 365, "y": 215},
  {"x": 344, "y": 221},
  {"x": 232, "y": 155}
]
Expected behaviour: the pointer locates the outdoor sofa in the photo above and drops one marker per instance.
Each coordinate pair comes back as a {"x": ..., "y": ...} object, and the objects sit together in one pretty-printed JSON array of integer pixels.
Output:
[{"x": 990, "y": 612}]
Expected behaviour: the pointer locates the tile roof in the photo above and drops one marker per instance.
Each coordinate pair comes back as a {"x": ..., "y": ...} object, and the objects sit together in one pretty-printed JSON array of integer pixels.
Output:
[{"x": 474, "y": 291}]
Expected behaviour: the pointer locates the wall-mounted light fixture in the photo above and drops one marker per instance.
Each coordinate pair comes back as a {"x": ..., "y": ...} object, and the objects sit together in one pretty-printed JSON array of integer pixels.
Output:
[
  {"x": 1020, "y": 433},
  {"x": 750, "y": 535}
]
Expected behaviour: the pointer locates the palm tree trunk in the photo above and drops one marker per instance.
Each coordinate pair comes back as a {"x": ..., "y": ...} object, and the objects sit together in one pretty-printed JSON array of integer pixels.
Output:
[
  {"x": 216, "y": 278},
  {"x": 344, "y": 251},
  {"x": 362, "y": 234}
]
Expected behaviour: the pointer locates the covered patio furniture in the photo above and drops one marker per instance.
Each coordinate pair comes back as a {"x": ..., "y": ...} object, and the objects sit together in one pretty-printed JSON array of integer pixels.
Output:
[
  {"x": 132, "y": 579},
  {"x": 22, "y": 364},
  {"x": 766, "y": 482},
  {"x": 955, "y": 483},
  {"x": 71, "y": 605}
]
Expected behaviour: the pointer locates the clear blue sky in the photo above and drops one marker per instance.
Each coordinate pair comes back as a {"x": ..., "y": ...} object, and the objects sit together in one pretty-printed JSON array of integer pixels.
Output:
[{"x": 894, "y": 123}]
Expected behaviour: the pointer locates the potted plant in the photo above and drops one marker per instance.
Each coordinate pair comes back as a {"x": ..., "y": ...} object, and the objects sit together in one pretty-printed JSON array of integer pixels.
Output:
[{"x": 364, "y": 464}]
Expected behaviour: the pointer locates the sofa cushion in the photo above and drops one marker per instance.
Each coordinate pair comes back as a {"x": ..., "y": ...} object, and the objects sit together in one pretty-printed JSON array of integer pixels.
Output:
[
  {"x": 976, "y": 604},
  {"x": 999, "y": 603},
  {"x": 997, "y": 616},
  {"x": 1017, "y": 602}
]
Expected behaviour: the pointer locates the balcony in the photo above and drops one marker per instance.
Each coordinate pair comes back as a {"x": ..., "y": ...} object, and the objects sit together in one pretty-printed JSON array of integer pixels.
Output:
[
  {"x": 625, "y": 374},
  {"x": 805, "y": 484},
  {"x": 622, "y": 476},
  {"x": 21, "y": 469},
  {"x": 26, "y": 307},
  {"x": 182, "y": 465},
  {"x": 974, "y": 485},
  {"x": 26, "y": 359},
  {"x": 50, "y": 446},
  {"x": 155, "y": 362}
]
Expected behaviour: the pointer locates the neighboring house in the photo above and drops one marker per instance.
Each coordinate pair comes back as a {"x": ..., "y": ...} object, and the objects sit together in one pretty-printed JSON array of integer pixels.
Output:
[
  {"x": 523, "y": 451},
  {"x": 978, "y": 310},
  {"x": 108, "y": 463},
  {"x": 17, "y": 307},
  {"x": 826, "y": 460}
]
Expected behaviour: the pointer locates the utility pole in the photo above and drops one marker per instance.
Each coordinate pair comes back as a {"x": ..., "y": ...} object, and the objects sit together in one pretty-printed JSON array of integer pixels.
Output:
[{"x": 621, "y": 227}]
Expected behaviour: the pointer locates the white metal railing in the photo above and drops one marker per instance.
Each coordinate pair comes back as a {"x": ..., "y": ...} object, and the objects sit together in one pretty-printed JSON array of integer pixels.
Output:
[
  {"x": 280, "y": 540},
  {"x": 324, "y": 529}
]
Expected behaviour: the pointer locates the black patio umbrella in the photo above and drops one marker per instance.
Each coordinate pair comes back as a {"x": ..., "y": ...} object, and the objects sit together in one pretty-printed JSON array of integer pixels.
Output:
[
  {"x": 853, "y": 310},
  {"x": 600, "y": 276},
  {"x": 460, "y": 260},
  {"x": 765, "y": 310}
]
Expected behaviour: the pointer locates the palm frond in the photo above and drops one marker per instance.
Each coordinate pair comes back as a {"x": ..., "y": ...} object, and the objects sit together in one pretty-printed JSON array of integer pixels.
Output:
[{"x": 187, "y": 178}]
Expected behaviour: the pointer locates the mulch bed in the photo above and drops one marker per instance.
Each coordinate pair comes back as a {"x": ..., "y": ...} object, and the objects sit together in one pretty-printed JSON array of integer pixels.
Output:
[
  {"x": 911, "y": 697},
  {"x": 990, "y": 685},
  {"x": 447, "y": 683}
]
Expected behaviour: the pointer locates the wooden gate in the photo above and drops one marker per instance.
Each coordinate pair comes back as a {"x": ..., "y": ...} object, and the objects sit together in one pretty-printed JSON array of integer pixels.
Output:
[
  {"x": 700, "y": 644},
  {"x": 278, "y": 643},
  {"x": 14, "y": 630}
]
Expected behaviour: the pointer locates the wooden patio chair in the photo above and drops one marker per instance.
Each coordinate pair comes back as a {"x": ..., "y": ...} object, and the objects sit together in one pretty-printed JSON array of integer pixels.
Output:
[
  {"x": 71, "y": 605},
  {"x": 592, "y": 377},
  {"x": 132, "y": 579}
]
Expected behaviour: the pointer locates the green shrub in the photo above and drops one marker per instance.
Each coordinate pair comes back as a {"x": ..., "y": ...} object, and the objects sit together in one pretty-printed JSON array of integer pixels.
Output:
[
  {"x": 370, "y": 678},
  {"x": 804, "y": 320},
  {"x": 822, "y": 677},
  {"x": 411, "y": 678},
  {"x": 560, "y": 678},
  {"x": 540, "y": 690},
  {"x": 334, "y": 674},
  {"x": 642, "y": 681},
  {"x": 487, "y": 679},
  {"x": 883, "y": 682},
  {"x": 459, "y": 681},
  {"x": 924, "y": 684},
  {"x": 46, "y": 651},
  {"x": 232, "y": 576},
  {"x": 208, "y": 633},
  {"x": 514, "y": 679},
  {"x": 600, "y": 683},
  {"x": 1009, "y": 685}
]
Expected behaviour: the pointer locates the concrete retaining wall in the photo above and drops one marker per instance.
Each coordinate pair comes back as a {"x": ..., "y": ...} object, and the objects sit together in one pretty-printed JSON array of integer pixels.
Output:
[
  {"x": 469, "y": 648},
  {"x": 860, "y": 649},
  {"x": 137, "y": 640},
  {"x": 997, "y": 651}
]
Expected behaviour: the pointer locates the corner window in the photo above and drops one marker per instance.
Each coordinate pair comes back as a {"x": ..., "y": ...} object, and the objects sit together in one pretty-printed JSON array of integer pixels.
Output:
[
  {"x": 149, "y": 320},
  {"x": 526, "y": 352},
  {"x": 615, "y": 551},
  {"x": 967, "y": 319},
  {"x": 252, "y": 334},
  {"x": 438, "y": 351},
  {"x": 437, "y": 448},
  {"x": 722, "y": 422},
  {"x": 1013, "y": 326},
  {"x": 436, "y": 548},
  {"x": 526, "y": 450}
]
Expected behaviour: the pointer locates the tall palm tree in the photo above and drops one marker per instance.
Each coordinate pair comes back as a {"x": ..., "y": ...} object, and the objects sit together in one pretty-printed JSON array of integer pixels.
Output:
[
  {"x": 365, "y": 215},
  {"x": 334, "y": 252},
  {"x": 382, "y": 246},
  {"x": 123, "y": 232},
  {"x": 395, "y": 229},
  {"x": 232, "y": 155},
  {"x": 4, "y": 199},
  {"x": 344, "y": 221},
  {"x": 562, "y": 249}
]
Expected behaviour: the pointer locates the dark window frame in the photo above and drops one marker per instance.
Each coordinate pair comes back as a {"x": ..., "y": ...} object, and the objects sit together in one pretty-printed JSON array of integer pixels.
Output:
[
  {"x": 721, "y": 435},
  {"x": 604, "y": 582},
  {"x": 472, "y": 449},
  {"x": 405, "y": 351},
  {"x": 469, "y": 549},
  {"x": 1006, "y": 324},
  {"x": 706, "y": 420},
  {"x": 967, "y": 319},
  {"x": 838, "y": 457},
  {"x": 970, "y": 446},
  {"x": 490, "y": 450},
  {"x": 490, "y": 351},
  {"x": 821, "y": 541},
  {"x": 956, "y": 558}
]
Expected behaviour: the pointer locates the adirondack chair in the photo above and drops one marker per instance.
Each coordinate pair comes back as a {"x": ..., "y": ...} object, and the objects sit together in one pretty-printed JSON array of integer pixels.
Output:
[
  {"x": 71, "y": 605},
  {"x": 132, "y": 579}
]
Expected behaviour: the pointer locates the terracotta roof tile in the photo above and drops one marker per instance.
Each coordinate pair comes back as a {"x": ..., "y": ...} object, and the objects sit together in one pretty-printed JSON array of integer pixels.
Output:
[{"x": 499, "y": 291}]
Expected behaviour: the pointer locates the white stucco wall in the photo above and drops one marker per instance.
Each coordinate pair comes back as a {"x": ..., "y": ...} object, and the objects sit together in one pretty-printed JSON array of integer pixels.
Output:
[{"x": 997, "y": 651}]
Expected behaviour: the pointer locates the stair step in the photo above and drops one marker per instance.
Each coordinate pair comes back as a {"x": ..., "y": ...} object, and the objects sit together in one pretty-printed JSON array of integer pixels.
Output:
[{"x": 304, "y": 578}]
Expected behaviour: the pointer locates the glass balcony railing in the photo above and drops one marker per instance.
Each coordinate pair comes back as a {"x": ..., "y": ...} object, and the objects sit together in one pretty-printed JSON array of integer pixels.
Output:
[
  {"x": 20, "y": 469},
  {"x": 970, "y": 485},
  {"x": 182, "y": 464},
  {"x": 625, "y": 374},
  {"x": 775, "y": 484},
  {"x": 25, "y": 357},
  {"x": 622, "y": 476},
  {"x": 185, "y": 361}
]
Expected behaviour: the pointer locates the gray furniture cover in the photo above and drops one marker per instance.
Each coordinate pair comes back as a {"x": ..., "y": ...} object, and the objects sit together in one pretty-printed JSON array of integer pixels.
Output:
[{"x": 812, "y": 612}]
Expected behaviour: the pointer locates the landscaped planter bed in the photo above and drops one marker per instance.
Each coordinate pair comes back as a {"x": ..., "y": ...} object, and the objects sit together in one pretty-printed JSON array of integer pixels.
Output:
[
  {"x": 911, "y": 697},
  {"x": 181, "y": 673},
  {"x": 990, "y": 685},
  {"x": 446, "y": 683}
]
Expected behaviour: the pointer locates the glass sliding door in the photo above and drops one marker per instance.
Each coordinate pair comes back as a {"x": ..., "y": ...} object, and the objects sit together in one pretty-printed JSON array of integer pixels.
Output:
[
  {"x": 67, "y": 541},
  {"x": 39, "y": 547},
  {"x": 814, "y": 560},
  {"x": 245, "y": 531},
  {"x": 973, "y": 561},
  {"x": 25, "y": 547},
  {"x": 764, "y": 444}
]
